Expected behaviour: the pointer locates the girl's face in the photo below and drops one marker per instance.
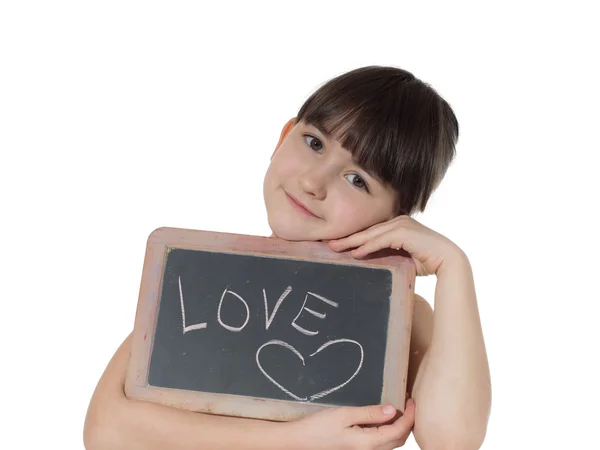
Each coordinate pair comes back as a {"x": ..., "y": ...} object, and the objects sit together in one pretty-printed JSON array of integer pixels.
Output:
[{"x": 314, "y": 191}]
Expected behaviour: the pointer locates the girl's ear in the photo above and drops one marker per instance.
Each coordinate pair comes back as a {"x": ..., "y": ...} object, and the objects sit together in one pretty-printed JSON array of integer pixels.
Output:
[{"x": 284, "y": 132}]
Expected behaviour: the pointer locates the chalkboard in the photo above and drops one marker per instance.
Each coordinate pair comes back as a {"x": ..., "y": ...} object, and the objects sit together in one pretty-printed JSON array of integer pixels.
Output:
[
  {"x": 258, "y": 319},
  {"x": 216, "y": 334}
]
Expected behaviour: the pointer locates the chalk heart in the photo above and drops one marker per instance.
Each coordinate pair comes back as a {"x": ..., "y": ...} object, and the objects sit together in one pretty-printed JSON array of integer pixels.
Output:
[{"x": 318, "y": 395}]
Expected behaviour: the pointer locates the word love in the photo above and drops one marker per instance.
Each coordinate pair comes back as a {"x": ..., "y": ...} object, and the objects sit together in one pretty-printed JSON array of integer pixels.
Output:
[{"x": 229, "y": 294}]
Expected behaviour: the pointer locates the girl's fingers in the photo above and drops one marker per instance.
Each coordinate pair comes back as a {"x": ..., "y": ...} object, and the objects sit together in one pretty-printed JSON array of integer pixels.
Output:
[
  {"x": 352, "y": 241},
  {"x": 366, "y": 415},
  {"x": 400, "y": 429},
  {"x": 382, "y": 241},
  {"x": 358, "y": 239}
]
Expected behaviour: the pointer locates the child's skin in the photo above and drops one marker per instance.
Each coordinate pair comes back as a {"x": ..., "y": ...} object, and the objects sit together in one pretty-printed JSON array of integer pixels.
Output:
[{"x": 448, "y": 371}]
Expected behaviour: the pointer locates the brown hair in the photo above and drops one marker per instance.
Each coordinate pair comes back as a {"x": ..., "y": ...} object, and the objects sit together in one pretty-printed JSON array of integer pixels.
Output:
[{"x": 397, "y": 128}]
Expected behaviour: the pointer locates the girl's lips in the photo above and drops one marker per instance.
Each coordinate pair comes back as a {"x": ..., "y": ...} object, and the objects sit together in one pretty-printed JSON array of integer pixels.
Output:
[{"x": 300, "y": 207}]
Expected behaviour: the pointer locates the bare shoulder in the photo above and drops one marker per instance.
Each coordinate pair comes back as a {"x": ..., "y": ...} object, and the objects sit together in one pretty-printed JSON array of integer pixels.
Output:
[
  {"x": 421, "y": 303},
  {"x": 420, "y": 338},
  {"x": 422, "y": 322}
]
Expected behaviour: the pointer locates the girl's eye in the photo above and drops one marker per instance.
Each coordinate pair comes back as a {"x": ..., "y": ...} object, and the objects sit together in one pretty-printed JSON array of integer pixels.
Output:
[
  {"x": 313, "y": 143},
  {"x": 357, "y": 181}
]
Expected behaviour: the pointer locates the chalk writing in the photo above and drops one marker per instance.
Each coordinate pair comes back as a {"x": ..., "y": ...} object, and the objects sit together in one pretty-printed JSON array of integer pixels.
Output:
[
  {"x": 299, "y": 355},
  {"x": 197, "y": 326},
  {"x": 314, "y": 313},
  {"x": 268, "y": 321},
  {"x": 231, "y": 328}
]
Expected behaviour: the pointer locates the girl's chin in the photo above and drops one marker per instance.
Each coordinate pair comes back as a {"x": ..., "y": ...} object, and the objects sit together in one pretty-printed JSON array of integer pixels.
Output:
[
  {"x": 291, "y": 231},
  {"x": 292, "y": 234}
]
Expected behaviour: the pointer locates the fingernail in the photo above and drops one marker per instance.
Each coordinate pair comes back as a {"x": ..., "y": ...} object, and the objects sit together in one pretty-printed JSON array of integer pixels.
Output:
[
  {"x": 388, "y": 409},
  {"x": 410, "y": 402}
]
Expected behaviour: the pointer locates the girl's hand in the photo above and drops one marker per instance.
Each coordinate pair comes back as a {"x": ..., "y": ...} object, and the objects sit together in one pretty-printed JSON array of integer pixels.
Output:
[
  {"x": 429, "y": 249},
  {"x": 348, "y": 428}
]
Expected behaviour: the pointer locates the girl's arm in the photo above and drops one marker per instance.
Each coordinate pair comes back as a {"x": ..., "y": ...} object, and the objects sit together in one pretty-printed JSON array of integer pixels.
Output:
[
  {"x": 114, "y": 421},
  {"x": 452, "y": 389}
]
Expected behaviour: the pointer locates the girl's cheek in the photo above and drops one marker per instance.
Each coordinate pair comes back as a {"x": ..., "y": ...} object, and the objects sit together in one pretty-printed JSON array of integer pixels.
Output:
[
  {"x": 346, "y": 217},
  {"x": 290, "y": 166}
]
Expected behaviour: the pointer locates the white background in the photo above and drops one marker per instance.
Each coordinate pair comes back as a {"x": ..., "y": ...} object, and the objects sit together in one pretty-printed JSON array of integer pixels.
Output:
[{"x": 120, "y": 117}]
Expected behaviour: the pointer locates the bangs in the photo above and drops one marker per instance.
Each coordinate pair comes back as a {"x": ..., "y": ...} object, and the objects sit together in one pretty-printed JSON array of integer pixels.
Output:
[{"x": 390, "y": 124}]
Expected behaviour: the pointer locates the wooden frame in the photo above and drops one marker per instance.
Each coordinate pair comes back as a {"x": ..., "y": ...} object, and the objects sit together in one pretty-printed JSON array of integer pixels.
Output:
[{"x": 399, "y": 326}]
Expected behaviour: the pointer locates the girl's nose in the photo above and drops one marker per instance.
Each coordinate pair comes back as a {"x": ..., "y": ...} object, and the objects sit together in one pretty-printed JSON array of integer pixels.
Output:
[{"x": 313, "y": 184}]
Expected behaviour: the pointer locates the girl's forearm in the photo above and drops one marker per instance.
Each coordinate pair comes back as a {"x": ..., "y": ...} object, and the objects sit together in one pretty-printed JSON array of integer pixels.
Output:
[
  {"x": 114, "y": 421},
  {"x": 143, "y": 425},
  {"x": 453, "y": 390}
]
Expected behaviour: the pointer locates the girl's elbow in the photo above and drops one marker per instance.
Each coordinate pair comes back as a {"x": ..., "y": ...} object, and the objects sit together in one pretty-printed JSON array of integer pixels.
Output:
[
  {"x": 101, "y": 431},
  {"x": 99, "y": 436},
  {"x": 95, "y": 436}
]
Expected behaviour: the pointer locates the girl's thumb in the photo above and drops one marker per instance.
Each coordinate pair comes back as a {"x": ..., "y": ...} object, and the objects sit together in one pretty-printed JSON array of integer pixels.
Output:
[{"x": 370, "y": 415}]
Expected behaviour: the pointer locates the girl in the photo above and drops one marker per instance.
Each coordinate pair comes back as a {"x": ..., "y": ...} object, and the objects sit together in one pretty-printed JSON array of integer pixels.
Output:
[{"x": 363, "y": 154}]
